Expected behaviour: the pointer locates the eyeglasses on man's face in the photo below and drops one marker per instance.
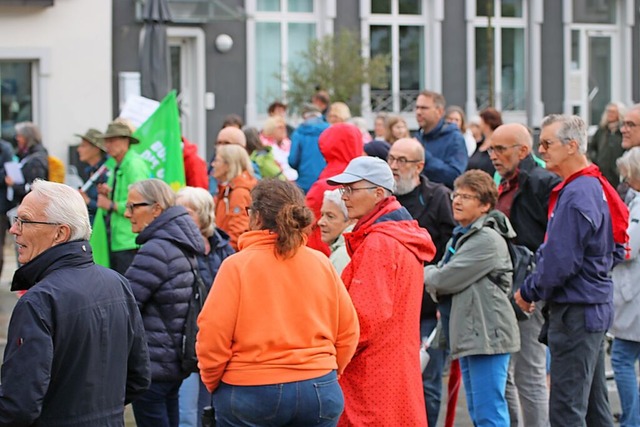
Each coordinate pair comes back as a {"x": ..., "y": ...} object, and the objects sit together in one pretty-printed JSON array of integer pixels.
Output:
[
  {"x": 20, "y": 222},
  {"x": 402, "y": 161},
  {"x": 501, "y": 149},
  {"x": 349, "y": 190},
  {"x": 629, "y": 124},
  {"x": 131, "y": 206},
  {"x": 546, "y": 143}
]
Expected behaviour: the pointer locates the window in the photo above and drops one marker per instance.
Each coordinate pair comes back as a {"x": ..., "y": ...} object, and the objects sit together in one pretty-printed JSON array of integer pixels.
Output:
[
  {"x": 397, "y": 28},
  {"x": 500, "y": 54},
  {"x": 283, "y": 29},
  {"x": 16, "y": 95}
]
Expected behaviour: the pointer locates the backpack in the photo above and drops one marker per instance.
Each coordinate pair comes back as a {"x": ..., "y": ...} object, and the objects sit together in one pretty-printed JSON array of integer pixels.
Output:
[
  {"x": 187, "y": 354},
  {"x": 524, "y": 262}
]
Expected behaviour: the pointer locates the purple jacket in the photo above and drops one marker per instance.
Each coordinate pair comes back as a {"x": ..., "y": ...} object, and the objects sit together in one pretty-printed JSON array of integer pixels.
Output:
[{"x": 573, "y": 266}]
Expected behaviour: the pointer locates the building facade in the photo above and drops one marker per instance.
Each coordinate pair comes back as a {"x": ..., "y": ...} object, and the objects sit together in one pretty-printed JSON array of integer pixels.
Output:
[{"x": 528, "y": 58}]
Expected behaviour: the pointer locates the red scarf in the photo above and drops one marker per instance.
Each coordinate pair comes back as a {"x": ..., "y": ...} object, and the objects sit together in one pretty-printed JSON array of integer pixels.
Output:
[{"x": 617, "y": 209}]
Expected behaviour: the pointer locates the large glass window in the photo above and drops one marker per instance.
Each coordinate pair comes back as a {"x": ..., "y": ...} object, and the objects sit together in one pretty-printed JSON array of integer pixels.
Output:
[
  {"x": 16, "y": 96},
  {"x": 500, "y": 54},
  {"x": 279, "y": 39},
  {"x": 397, "y": 29}
]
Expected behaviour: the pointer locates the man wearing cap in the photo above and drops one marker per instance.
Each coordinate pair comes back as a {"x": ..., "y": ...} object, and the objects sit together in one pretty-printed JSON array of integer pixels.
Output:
[
  {"x": 112, "y": 197},
  {"x": 382, "y": 385},
  {"x": 305, "y": 155},
  {"x": 92, "y": 152},
  {"x": 430, "y": 204}
]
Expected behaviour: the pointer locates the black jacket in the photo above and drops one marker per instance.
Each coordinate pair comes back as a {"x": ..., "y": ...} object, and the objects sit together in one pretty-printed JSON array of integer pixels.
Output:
[
  {"x": 6, "y": 155},
  {"x": 529, "y": 211},
  {"x": 161, "y": 280},
  {"x": 430, "y": 205},
  {"x": 35, "y": 164},
  {"x": 76, "y": 351}
]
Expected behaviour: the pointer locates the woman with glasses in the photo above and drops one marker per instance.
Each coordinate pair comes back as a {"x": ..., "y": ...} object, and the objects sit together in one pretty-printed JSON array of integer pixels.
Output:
[
  {"x": 233, "y": 170},
  {"x": 278, "y": 326},
  {"x": 161, "y": 279},
  {"x": 333, "y": 223},
  {"x": 490, "y": 119},
  {"x": 472, "y": 284}
]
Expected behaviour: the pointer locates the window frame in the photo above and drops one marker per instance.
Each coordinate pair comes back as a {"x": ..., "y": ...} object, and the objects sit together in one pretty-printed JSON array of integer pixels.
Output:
[{"x": 322, "y": 17}]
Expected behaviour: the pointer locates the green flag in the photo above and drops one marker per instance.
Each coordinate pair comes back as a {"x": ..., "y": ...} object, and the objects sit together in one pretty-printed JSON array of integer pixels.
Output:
[
  {"x": 161, "y": 146},
  {"x": 161, "y": 143}
]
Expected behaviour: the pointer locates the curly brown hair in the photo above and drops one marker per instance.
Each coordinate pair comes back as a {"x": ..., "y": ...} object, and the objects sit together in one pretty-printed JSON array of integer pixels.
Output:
[{"x": 480, "y": 183}]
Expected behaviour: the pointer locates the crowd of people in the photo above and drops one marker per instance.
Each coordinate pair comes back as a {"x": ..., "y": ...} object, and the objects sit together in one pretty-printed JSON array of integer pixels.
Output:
[{"x": 332, "y": 257}]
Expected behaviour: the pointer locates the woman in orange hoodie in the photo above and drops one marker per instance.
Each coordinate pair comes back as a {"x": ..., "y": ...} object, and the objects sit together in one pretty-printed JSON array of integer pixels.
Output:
[
  {"x": 233, "y": 170},
  {"x": 278, "y": 326}
]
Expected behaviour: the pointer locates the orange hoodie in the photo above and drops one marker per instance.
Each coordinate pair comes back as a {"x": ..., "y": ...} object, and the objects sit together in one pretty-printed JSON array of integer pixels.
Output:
[
  {"x": 232, "y": 202},
  {"x": 269, "y": 320}
]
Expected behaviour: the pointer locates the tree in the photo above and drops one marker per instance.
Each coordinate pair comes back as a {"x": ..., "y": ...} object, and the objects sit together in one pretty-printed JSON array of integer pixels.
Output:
[{"x": 335, "y": 64}]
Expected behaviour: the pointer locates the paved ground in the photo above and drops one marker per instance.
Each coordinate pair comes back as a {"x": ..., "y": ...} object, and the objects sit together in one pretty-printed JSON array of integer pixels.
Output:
[{"x": 8, "y": 299}]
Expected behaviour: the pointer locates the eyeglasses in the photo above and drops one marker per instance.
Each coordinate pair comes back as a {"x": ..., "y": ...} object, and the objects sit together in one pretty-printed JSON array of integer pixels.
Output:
[
  {"x": 463, "y": 196},
  {"x": 545, "y": 143},
  {"x": 20, "y": 222},
  {"x": 401, "y": 160},
  {"x": 500, "y": 149},
  {"x": 131, "y": 206},
  {"x": 349, "y": 190},
  {"x": 629, "y": 124}
]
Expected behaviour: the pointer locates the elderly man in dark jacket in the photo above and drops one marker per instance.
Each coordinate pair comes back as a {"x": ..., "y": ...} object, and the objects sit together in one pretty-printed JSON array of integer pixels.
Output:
[{"x": 76, "y": 351}]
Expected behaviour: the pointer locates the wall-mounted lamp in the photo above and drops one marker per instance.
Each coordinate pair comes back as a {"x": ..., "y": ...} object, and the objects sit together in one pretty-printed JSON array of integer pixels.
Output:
[{"x": 224, "y": 43}]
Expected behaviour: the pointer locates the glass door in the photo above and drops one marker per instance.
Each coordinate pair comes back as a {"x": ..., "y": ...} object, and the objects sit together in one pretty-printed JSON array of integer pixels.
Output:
[{"x": 600, "y": 90}]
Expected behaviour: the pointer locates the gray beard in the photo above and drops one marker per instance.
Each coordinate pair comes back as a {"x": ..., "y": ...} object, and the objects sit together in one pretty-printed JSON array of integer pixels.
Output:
[{"x": 404, "y": 186}]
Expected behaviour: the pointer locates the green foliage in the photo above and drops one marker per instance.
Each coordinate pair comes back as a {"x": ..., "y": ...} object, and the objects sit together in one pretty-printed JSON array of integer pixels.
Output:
[{"x": 335, "y": 64}]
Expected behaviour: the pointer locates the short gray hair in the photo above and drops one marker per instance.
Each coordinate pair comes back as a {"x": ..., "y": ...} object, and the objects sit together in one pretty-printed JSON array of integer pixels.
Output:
[
  {"x": 30, "y": 131},
  {"x": 572, "y": 128},
  {"x": 154, "y": 190},
  {"x": 64, "y": 205},
  {"x": 334, "y": 196},
  {"x": 201, "y": 202},
  {"x": 629, "y": 164}
]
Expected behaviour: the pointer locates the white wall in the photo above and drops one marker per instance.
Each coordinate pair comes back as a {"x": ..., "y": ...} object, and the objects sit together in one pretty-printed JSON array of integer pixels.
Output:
[{"x": 71, "y": 42}]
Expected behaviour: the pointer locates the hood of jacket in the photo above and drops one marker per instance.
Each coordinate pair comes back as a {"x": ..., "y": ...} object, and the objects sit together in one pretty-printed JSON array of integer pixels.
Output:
[
  {"x": 65, "y": 255},
  {"x": 339, "y": 144},
  {"x": 312, "y": 127},
  {"x": 244, "y": 180},
  {"x": 498, "y": 221},
  {"x": 442, "y": 128},
  {"x": 189, "y": 148},
  {"x": 390, "y": 218},
  {"x": 174, "y": 225}
]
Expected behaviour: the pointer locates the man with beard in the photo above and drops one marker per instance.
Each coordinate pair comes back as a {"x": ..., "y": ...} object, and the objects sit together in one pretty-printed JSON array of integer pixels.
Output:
[{"x": 429, "y": 204}]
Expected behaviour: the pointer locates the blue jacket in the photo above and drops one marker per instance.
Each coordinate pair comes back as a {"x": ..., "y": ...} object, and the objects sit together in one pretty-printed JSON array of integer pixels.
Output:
[
  {"x": 76, "y": 351},
  {"x": 445, "y": 153},
  {"x": 305, "y": 155},
  {"x": 161, "y": 280},
  {"x": 208, "y": 265},
  {"x": 574, "y": 265}
]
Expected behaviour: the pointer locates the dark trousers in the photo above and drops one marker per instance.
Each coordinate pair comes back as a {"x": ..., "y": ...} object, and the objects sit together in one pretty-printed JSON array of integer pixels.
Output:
[
  {"x": 121, "y": 260},
  {"x": 158, "y": 406},
  {"x": 432, "y": 375},
  {"x": 4, "y": 226},
  {"x": 578, "y": 383}
]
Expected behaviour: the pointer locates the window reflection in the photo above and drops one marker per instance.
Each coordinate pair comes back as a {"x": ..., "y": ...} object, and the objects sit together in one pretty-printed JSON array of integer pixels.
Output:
[{"x": 15, "y": 96}]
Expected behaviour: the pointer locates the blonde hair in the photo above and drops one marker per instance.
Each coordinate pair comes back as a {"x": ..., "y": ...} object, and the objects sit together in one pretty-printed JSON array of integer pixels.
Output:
[
  {"x": 236, "y": 158},
  {"x": 200, "y": 201},
  {"x": 341, "y": 110},
  {"x": 271, "y": 124}
]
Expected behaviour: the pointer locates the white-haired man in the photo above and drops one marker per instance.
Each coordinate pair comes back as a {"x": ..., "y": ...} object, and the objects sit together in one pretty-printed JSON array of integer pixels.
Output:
[
  {"x": 586, "y": 232},
  {"x": 76, "y": 349}
]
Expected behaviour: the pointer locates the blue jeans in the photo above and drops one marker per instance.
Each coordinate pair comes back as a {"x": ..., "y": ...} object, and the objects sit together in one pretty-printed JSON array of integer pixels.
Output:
[
  {"x": 485, "y": 380},
  {"x": 158, "y": 406},
  {"x": 193, "y": 397},
  {"x": 317, "y": 401},
  {"x": 432, "y": 375},
  {"x": 624, "y": 355}
]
